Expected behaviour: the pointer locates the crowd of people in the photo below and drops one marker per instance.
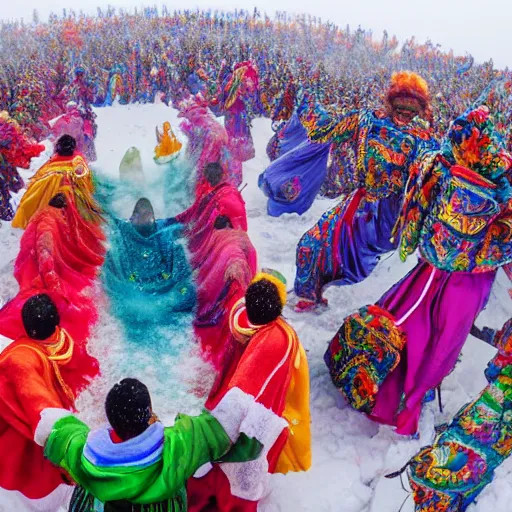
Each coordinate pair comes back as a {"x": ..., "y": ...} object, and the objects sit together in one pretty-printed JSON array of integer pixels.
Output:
[{"x": 417, "y": 159}]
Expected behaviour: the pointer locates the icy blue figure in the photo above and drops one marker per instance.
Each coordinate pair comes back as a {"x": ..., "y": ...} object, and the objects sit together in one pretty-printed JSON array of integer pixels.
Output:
[{"x": 146, "y": 273}]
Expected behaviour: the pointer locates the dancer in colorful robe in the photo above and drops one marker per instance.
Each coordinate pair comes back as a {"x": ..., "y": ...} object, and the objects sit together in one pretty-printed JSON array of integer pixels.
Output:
[
  {"x": 136, "y": 463},
  {"x": 38, "y": 370},
  {"x": 450, "y": 474},
  {"x": 238, "y": 93},
  {"x": 66, "y": 172},
  {"x": 60, "y": 255},
  {"x": 208, "y": 140},
  {"x": 273, "y": 373},
  {"x": 219, "y": 198},
  {"x": 16, "y": 150},
  {"x": 59, "y": 251},
  {"x": 289, "y": 132},
  {"x": 81, "y": 91},
  {"x": 347, "y": 242},
  {"x": 146, "y": 272},
  {"x": 226, "y": 265},
  {"x": 457, "y": 211},
  {"x": 70, "y": 123},
  {"x": 292, "y": 182}
]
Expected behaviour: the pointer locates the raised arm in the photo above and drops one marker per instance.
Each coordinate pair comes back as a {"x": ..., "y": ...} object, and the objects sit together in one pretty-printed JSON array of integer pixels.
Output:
[{"x": 323, "y": 127}]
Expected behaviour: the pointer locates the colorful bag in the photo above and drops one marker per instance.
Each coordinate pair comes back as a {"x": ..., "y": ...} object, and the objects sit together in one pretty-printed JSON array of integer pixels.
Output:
[{"x": 363, "y": 353}]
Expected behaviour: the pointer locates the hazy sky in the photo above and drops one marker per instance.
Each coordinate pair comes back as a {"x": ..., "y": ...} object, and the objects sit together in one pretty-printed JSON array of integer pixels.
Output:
[{"x": 480, "y": 27}]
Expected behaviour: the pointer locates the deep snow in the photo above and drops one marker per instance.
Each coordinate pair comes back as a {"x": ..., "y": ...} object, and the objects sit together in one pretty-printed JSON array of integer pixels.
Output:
[{"x": 350, "y": 453}]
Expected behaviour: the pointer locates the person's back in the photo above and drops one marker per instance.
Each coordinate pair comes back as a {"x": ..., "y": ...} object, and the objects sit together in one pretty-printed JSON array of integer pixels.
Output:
[
  {"x": 271, "y": 379},
  {"x": 135, "y": 463},
  {"x": 32, "y": 379},
  {"x": 67, "y": 172}
]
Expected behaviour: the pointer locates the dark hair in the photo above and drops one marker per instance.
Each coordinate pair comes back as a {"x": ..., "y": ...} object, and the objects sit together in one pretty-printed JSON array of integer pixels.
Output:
[
  {"x": 128, "y": 408},
  {"x": 222, "y": 222},
  {"x": 58, "y": 201},
  {"x": 262, "y": 302},
  {"x": 40, "y": 317},
  {"x": 213, "y": 173},
  {"x": 65, "y": 146}
]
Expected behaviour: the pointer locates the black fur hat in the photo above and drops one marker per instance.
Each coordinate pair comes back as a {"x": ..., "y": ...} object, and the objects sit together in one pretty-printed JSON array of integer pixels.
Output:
[{"x": 40, "y": 317}]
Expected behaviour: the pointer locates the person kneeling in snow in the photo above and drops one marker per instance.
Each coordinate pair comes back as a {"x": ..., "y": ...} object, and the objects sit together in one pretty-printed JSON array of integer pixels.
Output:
[
  {"x": 136, "y": 464},
  {"x": 271, "y": 382}
]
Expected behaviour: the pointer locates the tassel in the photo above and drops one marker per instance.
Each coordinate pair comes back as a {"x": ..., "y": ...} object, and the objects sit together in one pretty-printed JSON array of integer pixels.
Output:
[{"x": 399, "y": 472}]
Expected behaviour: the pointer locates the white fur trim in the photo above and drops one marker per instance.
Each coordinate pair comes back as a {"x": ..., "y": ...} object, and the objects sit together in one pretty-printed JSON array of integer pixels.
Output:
[
  {"x": 238, "y": 412},
  {"x": 203, "y": 470},
  {"x": 14, "y": 501},
  {"x": 231, "y": 411},
  {"x": 48, "y": 419}
]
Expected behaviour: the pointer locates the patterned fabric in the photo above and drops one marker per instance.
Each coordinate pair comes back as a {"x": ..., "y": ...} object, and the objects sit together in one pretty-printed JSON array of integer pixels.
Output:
[
  {"x": 16, "y": 150},
  {"x": 451, "y": 473},
  {"x": 381, "y": 151},
  {"x": 345, "y": 246},
  {"x": 346, "y": 243},
  {"x": 363, "y": 353},
  {"x": 458, "y": 205}
]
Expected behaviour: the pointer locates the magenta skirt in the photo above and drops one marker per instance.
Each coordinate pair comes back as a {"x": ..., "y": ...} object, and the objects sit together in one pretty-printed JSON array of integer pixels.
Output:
[{"x": 436, "y": 310}]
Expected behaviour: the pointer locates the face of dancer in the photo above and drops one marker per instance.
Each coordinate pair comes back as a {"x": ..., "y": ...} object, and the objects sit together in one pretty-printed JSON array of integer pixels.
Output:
[{"x": 405, "y": 110}]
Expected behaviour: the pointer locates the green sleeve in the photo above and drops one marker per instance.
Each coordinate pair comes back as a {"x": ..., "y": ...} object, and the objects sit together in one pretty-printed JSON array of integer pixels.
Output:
[
  {"x": 189, "y": 444},
  {"x": 65, "y": 445},
  {"x": 244, "y": 450}
]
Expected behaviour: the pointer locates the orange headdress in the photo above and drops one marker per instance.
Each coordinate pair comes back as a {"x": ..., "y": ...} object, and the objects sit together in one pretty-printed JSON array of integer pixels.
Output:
[{"x": 406, "y": 84}]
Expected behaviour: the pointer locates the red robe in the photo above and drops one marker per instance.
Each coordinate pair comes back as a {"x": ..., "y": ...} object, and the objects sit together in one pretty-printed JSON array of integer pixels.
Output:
[
  {"x": 271, "y": 380},
  {"x": 200, "y": 217},
  {"x": 60, "y": 254},
  {"x": 59, "y": 251},
  {"x": 30, "y": 382},
  {"x": 222, "y": 277}
]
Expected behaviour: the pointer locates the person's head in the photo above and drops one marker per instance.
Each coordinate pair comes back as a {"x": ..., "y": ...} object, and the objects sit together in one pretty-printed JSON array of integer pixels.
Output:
[
  {"x": 40, "y": 317},
  {"x": 143, "y": 217},
  {"x": 407, "y": 97},
  {"x": 58, "y": 201},
  {"x": 128, "y": 408},
  {"x": 65, "y": 146},
  {"x": 71, "y": 105},
  {"x": 222, "y": 222},
  {"x": 264, "y": 299},
  {"x": 79, "y": 72},
  {"x": 213, "y": 173}
]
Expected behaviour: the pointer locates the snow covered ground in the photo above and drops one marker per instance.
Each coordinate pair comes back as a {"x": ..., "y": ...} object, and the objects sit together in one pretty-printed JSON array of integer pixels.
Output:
[{"x": 350, "y": 453}]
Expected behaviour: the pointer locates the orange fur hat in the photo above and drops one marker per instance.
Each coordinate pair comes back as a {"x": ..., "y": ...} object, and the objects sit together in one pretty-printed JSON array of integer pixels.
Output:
[{"x": 406, "y": 84}]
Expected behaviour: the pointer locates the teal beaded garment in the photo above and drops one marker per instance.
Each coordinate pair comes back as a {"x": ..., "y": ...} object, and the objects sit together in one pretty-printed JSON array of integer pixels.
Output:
[{"x": 147, "y": 276}]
